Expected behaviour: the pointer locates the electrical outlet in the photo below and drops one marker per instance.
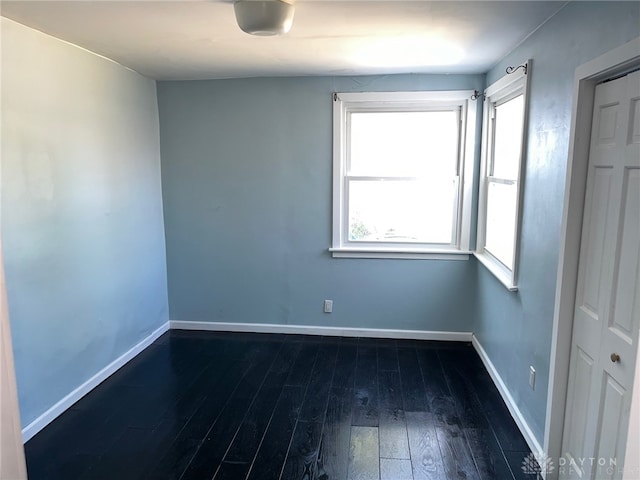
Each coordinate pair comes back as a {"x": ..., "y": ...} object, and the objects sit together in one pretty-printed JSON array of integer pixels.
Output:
[
  {"x": 328, "y": 306},
  {"x": 532, "y": 377}
]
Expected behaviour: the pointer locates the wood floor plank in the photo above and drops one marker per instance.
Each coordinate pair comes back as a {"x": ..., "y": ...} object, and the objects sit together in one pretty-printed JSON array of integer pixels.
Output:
[
  {"x": 176, "y": 399},
  {"x": 303, "y": 452},
  {"x": 177, "y": 456},
  {"x": 499, "y": 417},
  {"x": 387, "y": 355},
  {"x": 413, "y": 391},
  {"x": 456, "y": 455},
  {"x": 393, "y": 429},
  {"x": 432, "y": 374},
  {"x": 333, "y": 458},
  {"x": 364, "y": 459},
  {"x": 49, "y": 454},
  {"x": 426, "y": 459},
  {"x": 317, "y": 395},
  {"x": 271, "y": 455},
  {"x": 214, "y": 446},
  {"x": 125, "y": 459},
  {"x": 345, "y": 370},
  {"x": 231, "y": 471},
  {"x": 195, "y": 393},
  {"x": 466, "y": 379},
  {"x": 75, "y": 432},
  {"x": 299, "y": 374},
  {"x": 395, "y": 469},
  {"x": 467, "y": 404},
  {"x": 240, "y": 454},
  {"x": 480, "y": 404},
  {"x": 365, "y": 408},
  {"x": 487, "y": 454},
  {"x": 520, "y": 472},
  {"x": 174, "y": 462},
  {"x": 218, "y": 389},
  {"x": 248, "y": 438}
]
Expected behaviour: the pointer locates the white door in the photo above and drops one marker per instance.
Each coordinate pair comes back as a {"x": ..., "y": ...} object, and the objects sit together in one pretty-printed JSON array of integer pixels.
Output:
[{"x": 607, "y": 309}]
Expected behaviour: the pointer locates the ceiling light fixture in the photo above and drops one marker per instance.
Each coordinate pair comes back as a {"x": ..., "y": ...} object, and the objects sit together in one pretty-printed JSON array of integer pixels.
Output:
[{"x": 264, "y": 17}]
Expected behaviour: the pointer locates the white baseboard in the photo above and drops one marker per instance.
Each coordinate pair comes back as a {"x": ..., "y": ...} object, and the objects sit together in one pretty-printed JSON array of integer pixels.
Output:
[
  {"x": 526, "y": 431},
  {"x": 75, "y": 395},
  {"x": 328, "y": 331}
]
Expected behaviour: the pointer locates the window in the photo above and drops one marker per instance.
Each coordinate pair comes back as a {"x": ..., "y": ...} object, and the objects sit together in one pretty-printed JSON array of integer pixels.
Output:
[
  {"x": 502, "y": 158},
  {"x": 402, "y": 174}
]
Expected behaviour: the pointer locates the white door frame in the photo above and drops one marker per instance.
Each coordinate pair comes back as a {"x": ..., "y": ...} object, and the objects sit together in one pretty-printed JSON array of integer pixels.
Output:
[
  {"x": 586, "y": 78},
  {"x": 12, "y": 462}
]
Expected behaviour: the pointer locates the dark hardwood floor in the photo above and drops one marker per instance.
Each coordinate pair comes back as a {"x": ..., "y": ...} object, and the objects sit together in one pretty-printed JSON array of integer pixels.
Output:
[{"x": 199, "y": 405}]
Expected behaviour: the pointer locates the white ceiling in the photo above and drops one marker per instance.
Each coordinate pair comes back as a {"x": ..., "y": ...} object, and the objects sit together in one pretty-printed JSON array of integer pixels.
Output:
[{"x": 200, "y": 39}]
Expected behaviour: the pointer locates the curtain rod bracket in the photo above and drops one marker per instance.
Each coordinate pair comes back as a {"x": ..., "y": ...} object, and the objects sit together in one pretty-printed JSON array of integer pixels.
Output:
[
  {"x": 511, "y": 70},
  {"x": 476, "y": 95}
]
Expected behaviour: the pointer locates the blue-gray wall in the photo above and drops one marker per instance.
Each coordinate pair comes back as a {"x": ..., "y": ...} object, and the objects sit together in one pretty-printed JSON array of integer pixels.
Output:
[
  {"x": 515, "y": 328},
  {"x": 246, "y": 169},
  {"x": 82, "y": 226}
]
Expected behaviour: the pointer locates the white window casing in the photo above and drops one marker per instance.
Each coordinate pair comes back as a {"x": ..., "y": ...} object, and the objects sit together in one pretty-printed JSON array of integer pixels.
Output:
[
  {"x": 508, "y": 88},
  {"x": 346, "y": 104}
]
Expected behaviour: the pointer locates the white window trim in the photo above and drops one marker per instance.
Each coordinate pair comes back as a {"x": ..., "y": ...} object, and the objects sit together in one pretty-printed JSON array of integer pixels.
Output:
[
  {"x": 503, "y": 88},
  {"x": 344, "y": 102}
]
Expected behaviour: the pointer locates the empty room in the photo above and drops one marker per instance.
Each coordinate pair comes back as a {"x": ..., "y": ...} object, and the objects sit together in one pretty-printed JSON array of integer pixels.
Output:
[{"x": 320, "y": 239}]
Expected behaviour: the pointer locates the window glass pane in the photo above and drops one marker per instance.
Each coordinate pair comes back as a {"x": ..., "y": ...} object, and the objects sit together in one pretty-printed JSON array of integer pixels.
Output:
[
  {"x": 508, "y": 138},
  {"x": 501, "y": 222},
  {"x": 402, "y": 211},
  {"x": 409, "y": 144}
]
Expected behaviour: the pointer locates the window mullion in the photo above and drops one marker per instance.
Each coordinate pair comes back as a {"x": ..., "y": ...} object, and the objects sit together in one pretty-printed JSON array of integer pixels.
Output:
[
  {"x": 503, "y": 181},
  {"x": 381, "y": 178}
]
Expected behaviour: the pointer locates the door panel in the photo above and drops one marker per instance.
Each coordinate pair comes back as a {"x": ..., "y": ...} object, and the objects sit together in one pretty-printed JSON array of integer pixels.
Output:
[
  {"x": 627, "y": 299},
  {"x": 613, "y": 400},
  {"x": 607, "y": 124},
  {"x": 634, "y": 124},
  {"x": 595, "y": 242},
  {"x": 607, "y": 310},
  {"x": 579, "y": 395}
]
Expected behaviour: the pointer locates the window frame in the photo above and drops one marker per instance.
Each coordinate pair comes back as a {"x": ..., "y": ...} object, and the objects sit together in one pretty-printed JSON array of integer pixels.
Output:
[
  {"x": 343, "y": 105},
  {"x": 505, "y": 89}
]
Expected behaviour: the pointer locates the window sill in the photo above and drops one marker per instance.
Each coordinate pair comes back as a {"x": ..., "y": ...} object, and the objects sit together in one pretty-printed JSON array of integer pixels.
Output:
[
  {"x": 404, "y": 253},
  {"x": 504, "y": 276}
]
